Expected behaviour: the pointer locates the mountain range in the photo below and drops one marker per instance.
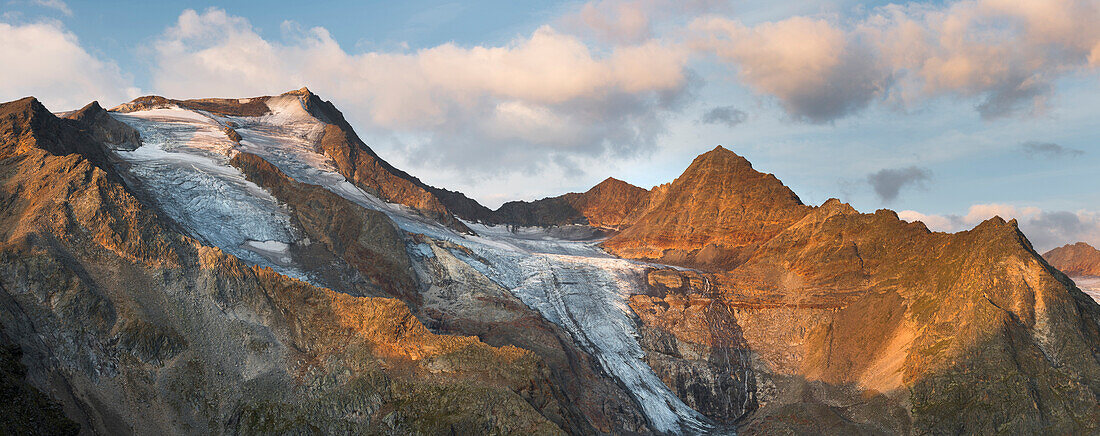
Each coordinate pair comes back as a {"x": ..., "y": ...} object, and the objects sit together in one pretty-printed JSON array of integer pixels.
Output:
[{"x": 250, "y": 265}]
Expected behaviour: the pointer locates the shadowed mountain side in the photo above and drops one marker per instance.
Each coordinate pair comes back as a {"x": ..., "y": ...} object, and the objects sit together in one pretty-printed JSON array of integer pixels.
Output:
[
  {"x": 1078, "y": 259},
  {"x": 135, "y": 328},
  {"x": 99, "y": 125},
  {"x": 352, "y": 249}
]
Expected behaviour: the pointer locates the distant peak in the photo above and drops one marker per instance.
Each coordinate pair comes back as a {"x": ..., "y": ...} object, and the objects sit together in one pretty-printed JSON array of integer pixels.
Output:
[
  {"x": 612, "y": 184},
  {"x": 610, "y": 181},
  {"x": 303, "y": 91},
  {"x": 88, "y": 110}
]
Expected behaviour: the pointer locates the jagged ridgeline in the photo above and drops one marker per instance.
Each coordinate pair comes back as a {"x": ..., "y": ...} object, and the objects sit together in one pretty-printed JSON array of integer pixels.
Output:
[{"x": 251, "y": 266}]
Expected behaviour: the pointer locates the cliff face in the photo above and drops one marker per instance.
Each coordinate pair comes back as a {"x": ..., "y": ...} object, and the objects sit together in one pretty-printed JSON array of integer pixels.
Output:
[
  {"x": 1078, "y": 259},
  {"x": 134, "y": 328}
]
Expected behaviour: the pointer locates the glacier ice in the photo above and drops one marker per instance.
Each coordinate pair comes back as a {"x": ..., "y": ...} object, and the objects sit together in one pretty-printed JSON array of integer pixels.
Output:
[{"x": 572, "y": 283}]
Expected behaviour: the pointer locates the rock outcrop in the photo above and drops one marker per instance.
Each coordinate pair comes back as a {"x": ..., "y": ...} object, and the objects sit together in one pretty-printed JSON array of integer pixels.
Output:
[{"x": 1078, "y": 259}]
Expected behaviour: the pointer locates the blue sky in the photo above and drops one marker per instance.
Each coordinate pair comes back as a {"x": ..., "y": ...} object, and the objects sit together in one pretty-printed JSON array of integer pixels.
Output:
[{"x": 876, "y": 103}]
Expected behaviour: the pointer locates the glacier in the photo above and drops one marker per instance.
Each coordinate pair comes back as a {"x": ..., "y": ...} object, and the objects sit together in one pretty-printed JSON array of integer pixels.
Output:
[{"x": 572, "y": 283}]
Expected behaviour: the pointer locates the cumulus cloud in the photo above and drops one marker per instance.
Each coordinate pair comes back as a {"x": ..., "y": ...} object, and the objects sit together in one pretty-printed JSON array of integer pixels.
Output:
[
  {"x": 1005, "y": 54},
  {"x": 815, "y": 69},
  {"x": 728, "y": 115},
  {"x": 889, "y": 182},
  {"x": 1048, "y": 150},
  {"x": 45, "y": 60},
  {"x": 544, "y": 97},
  {"x": 1045, "y": 229}
]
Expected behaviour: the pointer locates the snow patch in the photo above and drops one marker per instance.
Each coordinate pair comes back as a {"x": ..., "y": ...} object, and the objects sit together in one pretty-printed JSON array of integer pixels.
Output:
[{"x": 1090, "y": 285}]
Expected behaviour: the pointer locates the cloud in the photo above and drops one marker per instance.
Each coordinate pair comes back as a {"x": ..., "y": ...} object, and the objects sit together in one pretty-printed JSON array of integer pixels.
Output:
[
  {"x": 728, "y": 115},
  {"x": 613, "y": 20},
  {"x": 815, "y": 69},
  {"x": 45, "y": 60},
  {"x": 1045, "y": 229},
  {"x": 542, "y": 99},
  {"x": 1006, "y": 54},
  {"x": 59, "y": 5},
  {"x": 1048, "y": 150},
  {"x": 889, "y": 182}
]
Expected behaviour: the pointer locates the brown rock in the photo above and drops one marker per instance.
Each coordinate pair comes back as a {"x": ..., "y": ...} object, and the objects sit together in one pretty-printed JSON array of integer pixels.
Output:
[
  {"x": 713, "y": 216},
  {"x": 1078, "y": 259}
]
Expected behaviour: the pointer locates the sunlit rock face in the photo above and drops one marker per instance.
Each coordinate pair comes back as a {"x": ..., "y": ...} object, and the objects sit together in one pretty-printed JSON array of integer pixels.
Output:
[
  {"x": 1078, "y": 259},
  {"x": 713, "y": 216}
]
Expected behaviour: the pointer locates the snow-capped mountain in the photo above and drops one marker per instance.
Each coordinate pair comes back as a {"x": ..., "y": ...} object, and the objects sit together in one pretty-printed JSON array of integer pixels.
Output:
[{"x": 251, "y": 266}]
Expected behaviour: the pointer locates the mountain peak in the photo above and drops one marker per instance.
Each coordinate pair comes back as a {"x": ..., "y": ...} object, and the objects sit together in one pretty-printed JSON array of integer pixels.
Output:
[
  {"x": 25, "y": 105},
  {"x": 719, "y": 159},
  {"x": 613, "y": 183},
  {"x": 303, "y": 91},
  {"x": 719, "y": 201}
]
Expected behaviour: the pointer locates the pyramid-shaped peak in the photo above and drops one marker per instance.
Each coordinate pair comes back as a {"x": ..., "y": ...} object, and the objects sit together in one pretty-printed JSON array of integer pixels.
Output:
[{"x": 723, "y": 155}]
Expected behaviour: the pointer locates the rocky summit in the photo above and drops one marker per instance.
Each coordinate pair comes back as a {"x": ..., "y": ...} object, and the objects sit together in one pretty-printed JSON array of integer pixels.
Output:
[{"x": 251, "y": 266}]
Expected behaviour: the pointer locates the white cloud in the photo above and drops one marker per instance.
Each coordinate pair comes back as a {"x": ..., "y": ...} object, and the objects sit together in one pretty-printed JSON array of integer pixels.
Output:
[
  {"x": 45, "y": 60},
  {"x": 58, "y": 5},
  {"x": 1045, "y": 229},
  {"x": 545, "y": 97},
  {"x": 1005, "y": 54},
  {"x": 817, "y": 71}
]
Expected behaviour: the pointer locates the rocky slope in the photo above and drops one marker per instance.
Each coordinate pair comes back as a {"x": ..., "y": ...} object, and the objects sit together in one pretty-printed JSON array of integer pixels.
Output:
[
  {"x": 1078, "y": 259},
  {"x": 135, "y": 328}
]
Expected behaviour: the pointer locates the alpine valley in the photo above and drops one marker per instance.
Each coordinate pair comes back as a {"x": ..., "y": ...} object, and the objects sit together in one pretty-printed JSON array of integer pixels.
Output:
[{"x": 251, "y": 266}]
